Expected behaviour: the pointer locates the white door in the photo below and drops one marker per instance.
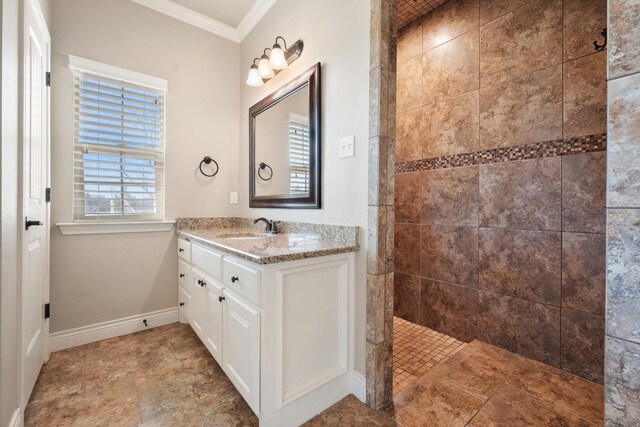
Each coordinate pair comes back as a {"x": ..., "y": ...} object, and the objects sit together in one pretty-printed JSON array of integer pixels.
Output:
[
  {"x": 213, "y": 326},
  {"x": 35, "y": 178},
  {"x": 241, "y": 347}
]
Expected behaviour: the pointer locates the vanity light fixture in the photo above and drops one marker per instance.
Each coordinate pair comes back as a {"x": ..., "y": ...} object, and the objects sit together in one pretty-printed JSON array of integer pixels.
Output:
[{"x": 268, "y": 65}]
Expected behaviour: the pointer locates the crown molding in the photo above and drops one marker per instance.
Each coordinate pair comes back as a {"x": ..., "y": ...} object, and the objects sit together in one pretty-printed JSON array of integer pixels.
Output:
[
  {"x": 184, "y": 14},
  {"x": 253, "y": 16}
]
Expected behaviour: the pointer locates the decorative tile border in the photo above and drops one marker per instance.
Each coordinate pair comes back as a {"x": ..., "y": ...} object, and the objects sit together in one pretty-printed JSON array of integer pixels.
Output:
[{"x": 561, "y": 147}]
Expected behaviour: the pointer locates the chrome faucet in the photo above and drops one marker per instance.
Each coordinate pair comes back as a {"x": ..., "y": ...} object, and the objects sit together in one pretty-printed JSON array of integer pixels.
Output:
[{"x": 270, "y": 227}]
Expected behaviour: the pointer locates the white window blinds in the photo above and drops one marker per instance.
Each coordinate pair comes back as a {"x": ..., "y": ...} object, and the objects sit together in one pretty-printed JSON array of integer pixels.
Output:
[
  {"x": 298, "y": 155},
  {"x": 118, "y": 149}
]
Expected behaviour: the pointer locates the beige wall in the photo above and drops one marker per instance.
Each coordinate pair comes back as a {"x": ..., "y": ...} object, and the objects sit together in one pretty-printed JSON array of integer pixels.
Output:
[
  {"x": 8, "y": 209},
  {"x": 96, "y": 278},
  {"x": 335, "y": 33}
]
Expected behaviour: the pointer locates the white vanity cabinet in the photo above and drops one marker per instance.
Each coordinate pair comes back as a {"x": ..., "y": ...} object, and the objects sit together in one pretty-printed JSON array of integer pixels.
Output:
[{"x": 282, "y": 332}]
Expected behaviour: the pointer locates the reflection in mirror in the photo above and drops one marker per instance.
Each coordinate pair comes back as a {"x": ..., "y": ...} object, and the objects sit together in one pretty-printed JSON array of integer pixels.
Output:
[{"x": 284, "y": 145}]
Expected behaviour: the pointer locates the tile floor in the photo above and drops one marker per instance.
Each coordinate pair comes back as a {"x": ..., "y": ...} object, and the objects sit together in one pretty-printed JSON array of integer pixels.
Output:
[
  {"x": 166, "y": 377},
  {"x": 416, "y": 349},
  {"x": 159, "y": 377},
  {"x": 482, "y": 385}
]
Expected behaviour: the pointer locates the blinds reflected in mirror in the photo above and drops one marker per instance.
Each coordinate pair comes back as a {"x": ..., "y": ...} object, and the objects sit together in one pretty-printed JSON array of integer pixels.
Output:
[
  {"x": 118, "y": 149},
  {"x": 298, "y": 154}
]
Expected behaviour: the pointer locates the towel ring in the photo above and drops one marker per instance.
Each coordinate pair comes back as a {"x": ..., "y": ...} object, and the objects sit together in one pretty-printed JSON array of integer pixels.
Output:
[
  {"x": 208, "y": 160},
  {"x": 262, "y": 167},
  {"x": 600, "y": 47}
]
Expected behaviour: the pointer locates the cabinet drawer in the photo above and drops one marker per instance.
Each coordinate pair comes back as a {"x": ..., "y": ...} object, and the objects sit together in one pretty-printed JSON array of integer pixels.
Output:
[
  {"x": 207, "y": 260},
  {"x": 184, "y": 249},
  {"x": 242, "y": 279}
]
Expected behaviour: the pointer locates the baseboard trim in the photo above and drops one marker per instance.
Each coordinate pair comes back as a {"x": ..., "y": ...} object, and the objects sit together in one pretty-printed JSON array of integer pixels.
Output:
[
  {"x": 359, "y": 386},
  {"x": 113, "y": 328},
  {"x": 16, "y": 419}
]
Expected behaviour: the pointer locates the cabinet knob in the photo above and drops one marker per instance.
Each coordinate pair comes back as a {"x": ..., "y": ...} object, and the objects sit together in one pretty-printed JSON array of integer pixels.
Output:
[
  {"x": 221, "y": 299},
  {"x": 234, "y": 279},
  {"x": 202, "y": 283},
  {"x": 181, "y": 304},
  {"x": 181, "y": 275},
  {"x": 180, "y": 250}
]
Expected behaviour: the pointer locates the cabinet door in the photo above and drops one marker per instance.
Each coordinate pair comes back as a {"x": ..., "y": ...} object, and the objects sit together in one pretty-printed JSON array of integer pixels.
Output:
[
  {"x": 198, "y": 303},
  {"x": 184, "y": 301},
  {"x": 213, "y": 322},
  {"x": 241, "y": 347}
]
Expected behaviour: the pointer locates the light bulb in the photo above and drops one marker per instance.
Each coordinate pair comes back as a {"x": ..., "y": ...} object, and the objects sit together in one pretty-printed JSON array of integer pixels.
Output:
[
  {"x": 278, "y": 61},
  {"x": 264, "y": 68},
  {"x": 254, "y": 78}
]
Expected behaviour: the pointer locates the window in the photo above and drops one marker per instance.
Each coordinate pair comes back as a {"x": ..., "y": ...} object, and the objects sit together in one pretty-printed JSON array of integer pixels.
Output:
[
  {"x": 298, "y": 154},
  {"x": 118, "y": 143}
]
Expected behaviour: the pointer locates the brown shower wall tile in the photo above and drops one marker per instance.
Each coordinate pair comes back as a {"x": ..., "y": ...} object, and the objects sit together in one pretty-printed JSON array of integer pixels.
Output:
[
  {"x": 492, "y": 9},
  {"x": 585, "y": 95},
  {"x": 450, "y": 309},
  {"x": 582, "y": 351},
  {"x": 410, "y": 41},
  {"x": 451, "y": 69},
  {"x": 409, "y": 90},
  {"x": 451, "y": 126},
  {"x": 448, "y": 21},
  {"x": 450, "y": 196},
  {"x": 406, "y": 297},
  {"x": 522, "y": 195},
  {"x": 407, "y": 198},
  {"x": 583, "y": 272},
  {"x": 520, "y": 326},
  {"x": 522, "y": 264},
  {"x": 406, "y": 249},
  {"x": 408, "y": 134},
  {"x": 624, "y": 52},
  {"x": 449, "y": 254},
  {"x": 584, "y": 192},
  {"x": 501, "y": 132},
  {"x": 521, "y": 42},
  {"x": 522, "y": 110},
  {"x": 583, "y": 23}
]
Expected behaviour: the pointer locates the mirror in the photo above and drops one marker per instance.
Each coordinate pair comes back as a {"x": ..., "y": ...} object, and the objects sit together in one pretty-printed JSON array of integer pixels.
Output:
[{"x": 284, "y": 146}]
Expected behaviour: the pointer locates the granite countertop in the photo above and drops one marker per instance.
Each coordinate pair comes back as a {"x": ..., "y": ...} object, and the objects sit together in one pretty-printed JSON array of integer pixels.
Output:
[{"x": 239, "y": 237}]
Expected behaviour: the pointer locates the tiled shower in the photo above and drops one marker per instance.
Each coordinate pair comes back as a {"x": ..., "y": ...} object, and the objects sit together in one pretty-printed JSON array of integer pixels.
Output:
[{"x": 500, "y": 177}]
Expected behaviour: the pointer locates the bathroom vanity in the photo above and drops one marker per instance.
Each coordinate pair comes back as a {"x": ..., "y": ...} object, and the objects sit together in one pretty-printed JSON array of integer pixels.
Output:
[{"x": 274, "y": 310}]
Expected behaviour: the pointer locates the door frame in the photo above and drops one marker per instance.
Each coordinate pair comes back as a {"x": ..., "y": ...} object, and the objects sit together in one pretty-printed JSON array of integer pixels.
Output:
[{"x": 22, "y": 82}]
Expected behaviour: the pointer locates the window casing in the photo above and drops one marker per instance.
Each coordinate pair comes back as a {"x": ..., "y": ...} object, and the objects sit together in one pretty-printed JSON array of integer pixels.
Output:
[{"x": 118, "y": 144}]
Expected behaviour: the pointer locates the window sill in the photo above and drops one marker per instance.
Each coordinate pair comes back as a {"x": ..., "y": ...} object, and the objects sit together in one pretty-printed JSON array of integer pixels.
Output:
[{"x": 74, "y": 228}]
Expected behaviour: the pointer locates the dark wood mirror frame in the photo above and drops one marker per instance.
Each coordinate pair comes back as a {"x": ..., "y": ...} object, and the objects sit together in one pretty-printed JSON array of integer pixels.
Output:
[{"x": 310, "y": 78}]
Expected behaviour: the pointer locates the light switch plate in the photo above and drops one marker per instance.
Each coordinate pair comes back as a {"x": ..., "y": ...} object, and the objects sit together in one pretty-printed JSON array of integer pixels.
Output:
[
  {"x": 233, "y": 198},
  {"x": 347, "y": 146}
]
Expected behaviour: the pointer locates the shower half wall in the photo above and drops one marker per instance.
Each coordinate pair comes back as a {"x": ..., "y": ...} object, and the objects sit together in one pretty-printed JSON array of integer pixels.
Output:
[{"x": 500, "y": 177}]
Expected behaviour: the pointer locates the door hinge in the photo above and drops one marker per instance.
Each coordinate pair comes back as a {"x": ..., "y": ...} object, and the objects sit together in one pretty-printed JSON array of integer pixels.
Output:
[
  {"x": 47, "y": 195},
  {"x": 47, "y": 310},
  {"x": 48, "y": 78}
]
